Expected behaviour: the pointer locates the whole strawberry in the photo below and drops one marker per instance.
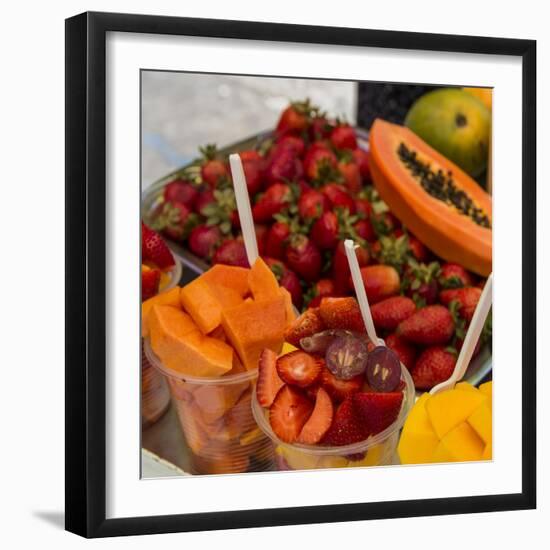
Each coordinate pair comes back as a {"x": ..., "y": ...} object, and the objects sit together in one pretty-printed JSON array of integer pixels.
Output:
[
  {"x": 312, "y": 204},
  {"x": 418, "y": 249},
  {"x": 339, "y": 197},
  {"x": 293, "y": 142},
  {"x": 405, "y": 350},
  {"x": 343, "y": 137},
  {"x": 361, "y": 157},
  {"x": 287, "y": 279},
  {"x": 204, "y": 239},
  {"x": 275, "y": 241},
  {"x": 154, "y": 249},
  {"x": 324, "y": 232},
  {"x": 428, "y": 326},
  {"x": 213, "y": 169},
  {"x": 181, "y": 191},
  {"x": 275, "y": 199},
  {"x": 175, "y": 220},
  {"x": 364, "y": 230},
  {"x": 231, "y": 252},
  {"x": 319, "y": 161},
  {"x": 434, "y": 365},
  {"x": 203, "y": 200},
  {"x": 381, "y": 281},
  {"x": 352, "y": 176},
  {"x": 283, "y": 164},
  {"x": 319, "y": 128},
  {"x": 254, "y": 168},
  {"x": 467, "y": 299},
  {"x": 363, "y": 208},
  {"x": 388, "y": 313},
  {"x": 295, "y": 118},
  {"x": 303, "y": 257},
  {"x": 454, "y": 276}
]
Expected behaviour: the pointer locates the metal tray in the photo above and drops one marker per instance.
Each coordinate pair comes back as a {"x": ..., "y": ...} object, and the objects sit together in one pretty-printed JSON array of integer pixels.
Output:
[{"x": 479, "y": 368}]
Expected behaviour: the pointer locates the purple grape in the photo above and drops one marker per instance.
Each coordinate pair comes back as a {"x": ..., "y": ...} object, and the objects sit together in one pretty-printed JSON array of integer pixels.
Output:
[
  {"x": 383, "y": 369},
  {"x": 318, "y": 343},
  {"x": 346, "y": 357}
]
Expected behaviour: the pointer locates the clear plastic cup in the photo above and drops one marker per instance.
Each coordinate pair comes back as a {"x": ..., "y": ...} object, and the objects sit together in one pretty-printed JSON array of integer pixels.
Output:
[
  {"x": 155, "y": 395},
  {"x": 377, "y": 450},
  {"x": 216, "y": 418}
]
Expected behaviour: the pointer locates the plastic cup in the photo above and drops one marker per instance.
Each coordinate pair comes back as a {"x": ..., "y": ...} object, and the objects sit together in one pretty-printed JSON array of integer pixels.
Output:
[
  {"x": 216, "y": 418},
  {"x": 155, "y": 395},
  {"x": 377, "y": 450}
]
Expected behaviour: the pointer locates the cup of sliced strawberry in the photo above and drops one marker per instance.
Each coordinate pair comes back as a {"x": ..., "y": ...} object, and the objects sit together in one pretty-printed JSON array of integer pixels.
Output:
[
  {"x": 333, "y": 400},
  {"x": 160, "y": 272}
]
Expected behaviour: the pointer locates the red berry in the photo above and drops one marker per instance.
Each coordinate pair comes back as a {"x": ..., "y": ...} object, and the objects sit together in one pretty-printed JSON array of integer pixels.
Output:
[
  {"x": 150, "y": 279},
  {"x": 381, "y": 281},
  {"x": 307, "y": 324},
  {"x": 343, "y": 137},
  {"x": 377, "y": 411},
  {"x": 433, "y": 366},
  {"x": 299, "y": 368},
  {"x": 467, "y": 299},
  {"x": 181, "y": 191},
  {"x": 312, "y": 204},
  {"x": 269, "y": 383},
  {"x": 289, "y": 413},
  {"x": 455, "y": 276},
  {"x": 213, "y": 170},
  {"x": 338, "y": 197},
  {"x": 340, "y": 389},
  {"x": 154, "y": 249},
  {"x": 204, "y": 239},
  {"x": 346, "y": 427},
  {"x": 320, "y": 420},
  {"x": 388, "y": 313},
  {"x": 324, "y": 232},
  {"x": 231, "y": 252},
  {"x": 351, "y": 175},
  {"x": 361, "y": 157},
  {"x": 304, "y": 257},
  {"x": 405, "y": 350},
  {"x": 429, "y": 325},
  {"x": 341, "y": 313}
]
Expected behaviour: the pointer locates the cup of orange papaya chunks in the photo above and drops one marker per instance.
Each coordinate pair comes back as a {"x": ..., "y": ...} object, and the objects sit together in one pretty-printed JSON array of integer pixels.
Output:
[{"x": 206, "y": 338}]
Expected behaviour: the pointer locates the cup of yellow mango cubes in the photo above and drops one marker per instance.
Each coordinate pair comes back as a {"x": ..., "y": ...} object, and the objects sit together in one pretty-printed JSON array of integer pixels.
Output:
[{"x": 451, "y": 426}]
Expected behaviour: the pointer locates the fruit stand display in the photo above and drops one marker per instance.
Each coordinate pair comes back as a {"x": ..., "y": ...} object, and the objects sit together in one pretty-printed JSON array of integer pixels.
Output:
[{"x": 327, "y": 397}]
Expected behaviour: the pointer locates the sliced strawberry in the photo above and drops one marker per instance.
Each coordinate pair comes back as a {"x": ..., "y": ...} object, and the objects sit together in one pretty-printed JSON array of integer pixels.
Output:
[
  {"x": 340, "y": 389},
  {"x": 299, "y": 368},
  {"x": 269, "y": 383},
  {"x": 154, "y": 249},
  {"x": 346, "y": 428},
  {"x": 307, "y": 324},
  {"x": 320, "y": 420},
  {"x": 377, "y": 411},
  {"x": 342, "y": 313},
  {"x": 150, "y": 280},
  {"x": 288, "y": 414}
]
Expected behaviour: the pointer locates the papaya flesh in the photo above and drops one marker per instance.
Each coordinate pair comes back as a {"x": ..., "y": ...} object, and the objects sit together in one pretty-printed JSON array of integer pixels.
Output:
[{"x": 457, "y": 225}]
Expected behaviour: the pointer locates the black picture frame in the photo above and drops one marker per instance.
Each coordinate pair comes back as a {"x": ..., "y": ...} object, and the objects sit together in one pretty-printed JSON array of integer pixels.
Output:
[{"x": 86, "y": 278}]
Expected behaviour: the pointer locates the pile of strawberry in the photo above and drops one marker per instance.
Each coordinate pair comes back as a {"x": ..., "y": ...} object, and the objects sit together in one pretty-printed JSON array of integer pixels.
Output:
[
  {"x": 156, "y": 258},
  {"x": 311, "y": 189},
  {"x": 310, "y": 405}
]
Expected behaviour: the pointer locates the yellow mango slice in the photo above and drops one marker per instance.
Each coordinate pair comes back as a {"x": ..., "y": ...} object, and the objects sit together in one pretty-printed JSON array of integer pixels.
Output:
[
  {"x": 487, "y": 452},
  {"x": 461, "y": 444},
  {"x": 442, "y": 454},
  {"x": 418, "y": 439},
  {"x": 446, "y": 410},
  {"x": 481, "y": 420},
  {"x": 466, "y": 387},
  {"x": 487, "y": 389},
  {"x": 287, "y": 348}
]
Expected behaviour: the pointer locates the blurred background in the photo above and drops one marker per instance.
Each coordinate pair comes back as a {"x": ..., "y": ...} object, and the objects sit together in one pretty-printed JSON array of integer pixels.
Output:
[{"x": 245, "y": 105}]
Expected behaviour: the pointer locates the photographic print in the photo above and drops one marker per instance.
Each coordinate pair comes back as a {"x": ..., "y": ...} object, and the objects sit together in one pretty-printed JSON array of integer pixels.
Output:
[{"x": 263, "y": 361}]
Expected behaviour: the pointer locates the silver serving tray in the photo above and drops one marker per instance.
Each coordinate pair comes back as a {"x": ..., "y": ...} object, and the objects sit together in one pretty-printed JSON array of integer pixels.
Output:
[{"x": 151, "y": 197}]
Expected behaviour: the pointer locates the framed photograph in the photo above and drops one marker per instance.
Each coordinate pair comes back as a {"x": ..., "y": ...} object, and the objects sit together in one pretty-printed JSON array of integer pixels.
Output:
[{"x": 289, "y": 265}]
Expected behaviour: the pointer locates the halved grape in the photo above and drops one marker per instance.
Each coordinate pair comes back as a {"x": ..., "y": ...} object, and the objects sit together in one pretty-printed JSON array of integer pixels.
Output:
[
  {"x": 383, "y": 369},
  {"x": 319, "y": 343},
  {"x": 346, "y": 357}
]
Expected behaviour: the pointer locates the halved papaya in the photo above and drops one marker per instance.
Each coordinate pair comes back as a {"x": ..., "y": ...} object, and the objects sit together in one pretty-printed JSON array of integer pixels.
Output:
[{"x": 434, "y": 198}]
